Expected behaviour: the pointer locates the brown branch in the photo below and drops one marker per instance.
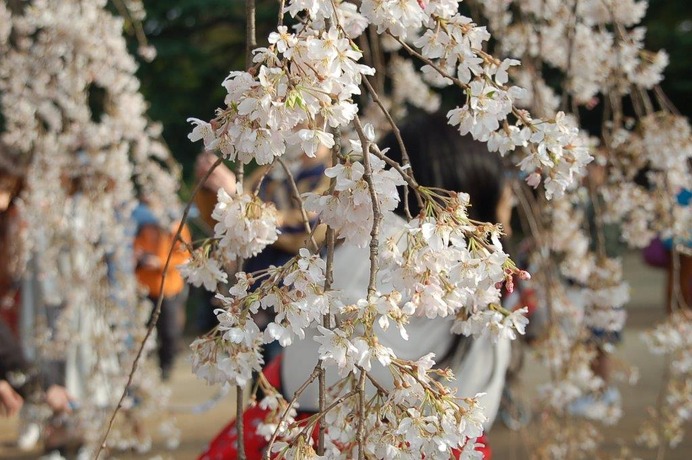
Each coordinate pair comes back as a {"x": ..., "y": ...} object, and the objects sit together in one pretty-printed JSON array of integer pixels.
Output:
[
  {"x": 374, "y": 249},
  {"x": 328, "y": 282}
]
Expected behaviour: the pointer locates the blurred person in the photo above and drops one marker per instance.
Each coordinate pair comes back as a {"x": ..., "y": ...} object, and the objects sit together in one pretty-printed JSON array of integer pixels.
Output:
[
  {"x": 10, "y": 186},
  {"x": 151, "y": 247},
  {"x": 19, "y": 380},
  {"x": 275, "y": 187},
  {"x": 205, "y": 200}
]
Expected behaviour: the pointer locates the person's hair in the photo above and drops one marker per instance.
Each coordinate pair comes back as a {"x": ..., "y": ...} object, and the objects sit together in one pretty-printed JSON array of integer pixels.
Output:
[{"x": 441, "y": 157}]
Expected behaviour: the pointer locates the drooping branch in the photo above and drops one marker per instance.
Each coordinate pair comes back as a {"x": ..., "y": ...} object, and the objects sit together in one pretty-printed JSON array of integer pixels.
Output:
[{"x": 157, "y": 310}]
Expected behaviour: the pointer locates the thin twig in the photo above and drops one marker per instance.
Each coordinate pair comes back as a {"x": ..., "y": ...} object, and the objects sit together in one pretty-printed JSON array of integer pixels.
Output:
[
  {"x": 377, "y": 58},
  {"x": 530, "y": 212},
  {"x": 406, "y": 160},
  {"x": 374, "y": 382},
  {"x": 570, "y": 52},
  {"x": 136, "y": 24},
  {"x": 282, "y": 4},
  {"x": 664, "y": 101},
  {"x": 360, "y": 436},
  {"x": 250, "y": 31},
  {"x": 376, "y": 211},
  {"x": 250, "y": 45},
  {"x": 375, "y": 150},
  {"x": 303, "y": 213},
  {"x": 429, "y": 62},
  {"x": 296, "y": 395},
  {"x": 258, "y": 185},
  {"x": 333, "y": 404},
  {"x": 157, "y": 310}
]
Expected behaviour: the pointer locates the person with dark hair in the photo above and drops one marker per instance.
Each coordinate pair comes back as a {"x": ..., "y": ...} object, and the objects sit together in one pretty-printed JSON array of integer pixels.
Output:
[{"x": 441, "y": 158}]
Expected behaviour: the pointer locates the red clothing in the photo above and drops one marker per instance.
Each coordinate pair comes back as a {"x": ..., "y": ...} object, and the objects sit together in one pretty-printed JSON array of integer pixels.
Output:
[
  {"x": 223, "y": 446},
  {"x": 152, "y": 240}
]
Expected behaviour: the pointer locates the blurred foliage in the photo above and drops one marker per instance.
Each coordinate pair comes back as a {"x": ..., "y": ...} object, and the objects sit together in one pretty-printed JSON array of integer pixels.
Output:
[
  {"x": 199, "y": 42},
  {"x": 669, "y": 27}
]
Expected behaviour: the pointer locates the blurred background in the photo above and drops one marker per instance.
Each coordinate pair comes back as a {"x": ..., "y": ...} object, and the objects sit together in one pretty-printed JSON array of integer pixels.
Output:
[{"x": 198, "y": 42}]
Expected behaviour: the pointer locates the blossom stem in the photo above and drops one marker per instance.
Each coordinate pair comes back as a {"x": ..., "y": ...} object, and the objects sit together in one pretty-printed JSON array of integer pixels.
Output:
[
  {"x": 375, "y": 150},
  {"x": 404, "y": 153}
]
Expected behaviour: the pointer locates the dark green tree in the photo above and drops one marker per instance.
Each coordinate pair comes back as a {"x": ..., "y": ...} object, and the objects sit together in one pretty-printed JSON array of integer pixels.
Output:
[
  {"x": 669, "y": 27},
  {"x": 198, "y": 43}
]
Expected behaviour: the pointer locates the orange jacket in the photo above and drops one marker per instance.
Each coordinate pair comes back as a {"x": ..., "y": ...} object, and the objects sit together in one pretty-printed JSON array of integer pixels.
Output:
[{"x": 153, "y": 243}]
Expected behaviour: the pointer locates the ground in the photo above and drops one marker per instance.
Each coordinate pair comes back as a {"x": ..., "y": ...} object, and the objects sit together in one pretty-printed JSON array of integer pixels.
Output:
[{"x": 644, "y": 310}]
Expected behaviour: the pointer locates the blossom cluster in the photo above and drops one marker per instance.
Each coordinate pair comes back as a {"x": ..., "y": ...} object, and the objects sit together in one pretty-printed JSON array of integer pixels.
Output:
[
  {"x": 294, "y": 292},
  {"x": 660, "y": 148},
  {"x": 599, "y": 52},
  {"x": 306, "y": 81},
  {"x": 667, "y": 424},
  {"x": 301, "y": 88},
  {"x": 349, "y": 210},
  {"x": 426, "y": 421},
  {"x": 203, "y": 270},
  {"x": 571, "y": 36},
  {"x": 245, "y": 224},
  {"x": 447, "y": 267},
  {"x": 440, "y": 265},
  {"x": 301, "y": 84}
]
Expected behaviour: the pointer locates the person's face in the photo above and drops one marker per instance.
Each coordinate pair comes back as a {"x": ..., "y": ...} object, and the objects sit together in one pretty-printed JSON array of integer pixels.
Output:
[{"x": 504, "y": 209}]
